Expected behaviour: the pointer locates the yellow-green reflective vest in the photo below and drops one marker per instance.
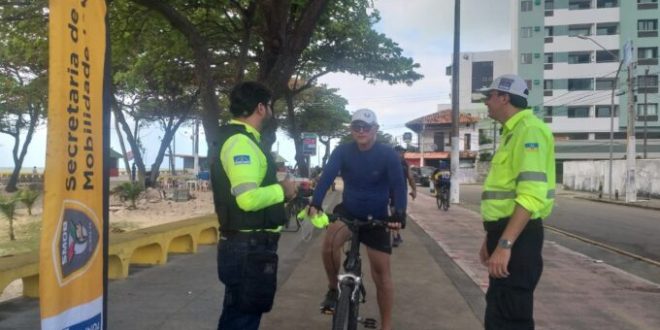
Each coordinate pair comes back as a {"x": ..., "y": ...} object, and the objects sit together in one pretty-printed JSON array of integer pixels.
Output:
[{"x": 522, "y": 170}]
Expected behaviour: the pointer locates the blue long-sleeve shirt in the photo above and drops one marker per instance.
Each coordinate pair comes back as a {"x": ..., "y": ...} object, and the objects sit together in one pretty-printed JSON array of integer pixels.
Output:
[{"x": 368, "y": 176}]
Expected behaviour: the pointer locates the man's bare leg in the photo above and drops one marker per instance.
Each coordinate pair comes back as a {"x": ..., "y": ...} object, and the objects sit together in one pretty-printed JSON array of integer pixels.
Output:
[
  {"x": 380, "y": 272},
  {"x": 335, "y": 236}
]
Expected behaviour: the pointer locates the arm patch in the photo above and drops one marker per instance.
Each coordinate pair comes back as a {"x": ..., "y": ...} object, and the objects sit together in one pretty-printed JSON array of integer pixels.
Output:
[{"x": 242, "y": 160}]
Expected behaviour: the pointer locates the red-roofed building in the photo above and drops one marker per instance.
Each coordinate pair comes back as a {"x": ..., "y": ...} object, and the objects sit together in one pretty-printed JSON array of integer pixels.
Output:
[{"x": 434, "y": 132}]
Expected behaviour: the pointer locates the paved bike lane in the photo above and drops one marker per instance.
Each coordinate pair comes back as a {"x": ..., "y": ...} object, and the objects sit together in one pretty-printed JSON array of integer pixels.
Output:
[{"x": 575, "y": 291}]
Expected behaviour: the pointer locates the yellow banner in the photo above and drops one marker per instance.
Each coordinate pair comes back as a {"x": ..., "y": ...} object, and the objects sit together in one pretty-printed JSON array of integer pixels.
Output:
[{"x": 71, "y": 279}]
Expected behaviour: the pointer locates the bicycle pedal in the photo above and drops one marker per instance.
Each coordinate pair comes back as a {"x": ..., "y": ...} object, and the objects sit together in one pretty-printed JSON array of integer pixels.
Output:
[
  {"x": 327, "y": 311},
  {"x": 369, "y": 323}
]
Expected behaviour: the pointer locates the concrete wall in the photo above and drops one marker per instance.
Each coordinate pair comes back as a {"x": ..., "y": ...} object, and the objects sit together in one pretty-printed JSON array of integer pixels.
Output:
[{"x": 589, "y": 175}]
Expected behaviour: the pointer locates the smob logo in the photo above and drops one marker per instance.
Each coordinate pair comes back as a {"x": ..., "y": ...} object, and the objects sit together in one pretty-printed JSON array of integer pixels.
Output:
[{"x": 77, "y": 241}]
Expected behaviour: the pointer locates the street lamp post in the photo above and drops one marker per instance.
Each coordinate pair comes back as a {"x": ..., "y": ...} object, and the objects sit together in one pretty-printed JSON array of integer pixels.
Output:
[{"x": 614, "y": 85}]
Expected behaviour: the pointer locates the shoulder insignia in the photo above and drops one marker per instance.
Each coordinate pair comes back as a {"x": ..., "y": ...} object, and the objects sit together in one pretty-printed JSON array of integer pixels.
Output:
[
  {"x": 531, "y": 146},
  {"x": 241, "y": 160}
]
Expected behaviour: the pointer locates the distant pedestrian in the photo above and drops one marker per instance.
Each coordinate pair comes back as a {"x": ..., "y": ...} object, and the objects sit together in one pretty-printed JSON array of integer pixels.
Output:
[
  {"x": 407, "y": 178},
  {"x": 517, "y": 195}
]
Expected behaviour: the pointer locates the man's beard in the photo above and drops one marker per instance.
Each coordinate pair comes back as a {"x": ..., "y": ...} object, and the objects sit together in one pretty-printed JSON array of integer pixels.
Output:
[{"x": 268, "y": 129}]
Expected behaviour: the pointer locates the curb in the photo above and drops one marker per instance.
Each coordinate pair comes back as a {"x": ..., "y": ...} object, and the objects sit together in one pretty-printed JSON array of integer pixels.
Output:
[{"x": 641, "y": 206}]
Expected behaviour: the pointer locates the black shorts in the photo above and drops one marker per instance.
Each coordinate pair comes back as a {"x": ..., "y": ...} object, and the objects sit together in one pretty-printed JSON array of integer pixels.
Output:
[{"x": 377, "y": 238}]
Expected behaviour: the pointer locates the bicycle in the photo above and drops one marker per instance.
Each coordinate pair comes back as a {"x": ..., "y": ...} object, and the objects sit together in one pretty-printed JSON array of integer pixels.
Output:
[
  {"x": 351, "y": 289},
  {"x": 442, "y": 198},
  {"x": 292, "y": 208}
]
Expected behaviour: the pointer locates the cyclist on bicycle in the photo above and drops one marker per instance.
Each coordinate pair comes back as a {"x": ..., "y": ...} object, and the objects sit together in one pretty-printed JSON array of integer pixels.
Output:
[
  {"x": 442, "y": 178},
  {"x": 370, "y": 170}
]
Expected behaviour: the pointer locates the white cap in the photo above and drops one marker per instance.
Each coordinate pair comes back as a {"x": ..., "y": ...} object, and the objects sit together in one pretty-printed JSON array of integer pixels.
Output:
[
  {"x": 366, "y": 116},
  {"x": 508, "y": 83}
]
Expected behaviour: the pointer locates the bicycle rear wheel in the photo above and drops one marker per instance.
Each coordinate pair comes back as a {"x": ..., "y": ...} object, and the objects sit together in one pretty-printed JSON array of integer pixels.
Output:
[{"x": 345, "y": 317}]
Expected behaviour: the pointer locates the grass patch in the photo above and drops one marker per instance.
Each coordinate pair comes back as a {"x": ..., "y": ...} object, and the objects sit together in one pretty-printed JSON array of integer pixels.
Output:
[{"x": 28, "y": 235}]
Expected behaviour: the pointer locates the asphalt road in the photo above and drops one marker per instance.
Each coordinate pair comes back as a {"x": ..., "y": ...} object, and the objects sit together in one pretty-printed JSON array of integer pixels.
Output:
[{"x": 630, "y": 229}]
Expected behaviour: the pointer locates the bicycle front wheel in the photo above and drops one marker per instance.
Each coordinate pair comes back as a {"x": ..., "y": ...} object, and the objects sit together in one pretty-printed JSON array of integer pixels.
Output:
[{"x": 345, "y": 317}]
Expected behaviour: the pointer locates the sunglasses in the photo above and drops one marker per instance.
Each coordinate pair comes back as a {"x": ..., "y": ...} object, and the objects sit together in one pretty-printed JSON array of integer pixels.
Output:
[{"x": 357, "y": 128}]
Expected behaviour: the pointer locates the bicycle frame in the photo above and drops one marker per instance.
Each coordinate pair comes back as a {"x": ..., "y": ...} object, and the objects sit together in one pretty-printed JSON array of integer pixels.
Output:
[{"x": 347, "y": 317}]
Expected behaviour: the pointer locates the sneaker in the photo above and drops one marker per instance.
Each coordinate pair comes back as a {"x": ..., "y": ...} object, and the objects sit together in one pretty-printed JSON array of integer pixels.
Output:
[
  {"x": 397, "y": 241},
  {"x": 330, "y": 302}
]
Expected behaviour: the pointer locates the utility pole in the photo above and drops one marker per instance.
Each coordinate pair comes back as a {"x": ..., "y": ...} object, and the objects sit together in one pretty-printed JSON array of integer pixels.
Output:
[
  {"x": 631, "y": 188},
  {"x": 646, "y": 104},
  {"x": 421, "y": 143},
  {"x": 455, "y": 103}
]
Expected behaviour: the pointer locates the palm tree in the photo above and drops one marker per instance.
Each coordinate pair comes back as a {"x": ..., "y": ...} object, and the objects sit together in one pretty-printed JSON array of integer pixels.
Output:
[
  {"x": 28, "y": 197},
  {"x": 128, "y": 191},
  {"x": 8, "y": 209}
]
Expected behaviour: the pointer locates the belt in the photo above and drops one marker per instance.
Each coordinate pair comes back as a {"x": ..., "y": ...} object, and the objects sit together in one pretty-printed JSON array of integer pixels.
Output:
[
  {"x": 252, "y": 236},
  {"x": 501, "y": 223}
]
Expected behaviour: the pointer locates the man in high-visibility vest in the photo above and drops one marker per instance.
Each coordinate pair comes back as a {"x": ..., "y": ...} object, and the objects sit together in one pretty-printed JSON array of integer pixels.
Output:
[
  {"x": 517, "y": 195},
  {"x": 249, "y": 202}
]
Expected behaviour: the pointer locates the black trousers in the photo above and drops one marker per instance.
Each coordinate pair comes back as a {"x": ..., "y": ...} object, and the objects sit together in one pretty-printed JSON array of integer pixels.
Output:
[{"x": 510, "y": 301}]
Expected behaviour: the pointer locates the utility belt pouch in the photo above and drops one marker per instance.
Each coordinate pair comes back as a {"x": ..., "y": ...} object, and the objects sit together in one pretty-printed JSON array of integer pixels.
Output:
[{"x": 258, "y": 283}]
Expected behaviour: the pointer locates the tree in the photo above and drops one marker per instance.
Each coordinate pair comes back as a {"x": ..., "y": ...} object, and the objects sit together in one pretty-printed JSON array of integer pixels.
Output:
[
  {"x": 28, "y": 197},
  {"x": 318, "y": 110},
  {"x": 23, "y": 76},
  {"x": 157, "y": 86},
  {"x": 130, "y": 191},
  {"x": 8, "y": 209}
]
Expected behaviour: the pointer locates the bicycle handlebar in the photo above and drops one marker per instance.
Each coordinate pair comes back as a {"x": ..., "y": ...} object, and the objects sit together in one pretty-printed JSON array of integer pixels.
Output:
[{"x": 358, "y": 222}]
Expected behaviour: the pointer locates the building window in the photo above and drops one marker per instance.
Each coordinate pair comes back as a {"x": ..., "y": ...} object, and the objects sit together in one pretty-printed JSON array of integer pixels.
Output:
[
  {"x": 526, "y": 58},
  {"x": 651, "y": 112},
  {"x": 647, "y": 28},
  {"x": 579, "y": 57},
  {"x": 607, "y": 29},
  {"x": 579, "y": 30},
  {"x": 482, "y": 76},
  {"x": 647, "y": 4},
  {"x": 526, "y": 32},
  {"x": 578, "y": 112},
  {"x": 549, "y": 31},
  {"x": 439, "y": 141},
  {"x": 579, "y": 4},
  {"x": 526, "y": 5},
  {"x": 547, "y": 84},
  {"x": 468, "y": 142},
  {"x": 607, "y": 3},
  {"x": 603, "y": 111},
  {"x": 603, "y": 56},
  {"x": 549, "y": 4},
  {"x": 604, "y": 84},
  {"x": 647, "y": 55},
  {"x": 606, "y": 136},
  {"x": 548, "y": 58},
  {"x": 580, "y": 84},
  {"x": 647, "y": 84}
]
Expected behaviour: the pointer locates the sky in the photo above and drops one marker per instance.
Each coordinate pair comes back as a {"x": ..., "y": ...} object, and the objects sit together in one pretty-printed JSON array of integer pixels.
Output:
[{"x": 422, "y": 28}]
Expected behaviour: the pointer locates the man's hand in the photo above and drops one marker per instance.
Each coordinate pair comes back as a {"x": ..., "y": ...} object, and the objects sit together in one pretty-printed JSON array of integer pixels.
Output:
[
  {"x": 483, "y": 254},
  {"x": 499, "y": 262},
  {"x": 413, "y": 194},
  {"x": 289, "y": 187},
  {"x": 397, "y": 221}
]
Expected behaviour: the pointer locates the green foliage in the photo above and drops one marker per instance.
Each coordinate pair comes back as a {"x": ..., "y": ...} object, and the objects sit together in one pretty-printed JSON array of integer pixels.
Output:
[
  {"x": 8, "y": 210},
  {"x": 28, "y": 197},
  {"x": 319, "y": 110},
  {"x": 485, "y": 156},
  {"x": 129, "y": 191}
]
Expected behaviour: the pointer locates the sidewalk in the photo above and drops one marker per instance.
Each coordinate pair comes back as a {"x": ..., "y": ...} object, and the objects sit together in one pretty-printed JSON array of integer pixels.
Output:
[
  {"x": 574, "y": 292},
  {"x": 652, "y": 204}
]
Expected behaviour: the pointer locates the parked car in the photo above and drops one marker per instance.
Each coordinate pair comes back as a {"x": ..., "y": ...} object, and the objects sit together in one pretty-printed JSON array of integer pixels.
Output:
[{"x": 422, "y": 175}]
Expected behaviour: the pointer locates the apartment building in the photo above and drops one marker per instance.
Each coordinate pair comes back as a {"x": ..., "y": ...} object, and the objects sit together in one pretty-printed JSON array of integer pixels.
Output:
[{"x": 569, "y": 52}]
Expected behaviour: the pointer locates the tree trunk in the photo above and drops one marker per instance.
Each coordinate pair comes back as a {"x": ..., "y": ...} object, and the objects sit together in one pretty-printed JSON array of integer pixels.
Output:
[
  {"x": 170, "y": 130},
  {"x": 301, "y": 160},
  {"x": 123, "y": 149},
  {"x": 326, "y": 153},
  {"x": 137, "y": 155},
  {"x": 11, "y": 230},
  {"x": 19, "y": 157}
]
